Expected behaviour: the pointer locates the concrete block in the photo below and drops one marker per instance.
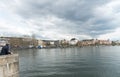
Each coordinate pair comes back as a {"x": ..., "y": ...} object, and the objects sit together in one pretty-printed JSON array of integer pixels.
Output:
[
  {"x": 3, "y": 60},
  {"x": 1, "y": 72},
  {"x": 9, "y": 66}
]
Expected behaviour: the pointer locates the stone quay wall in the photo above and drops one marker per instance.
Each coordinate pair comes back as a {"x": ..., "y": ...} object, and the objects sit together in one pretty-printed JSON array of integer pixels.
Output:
[{"x": 9, "y": 65}]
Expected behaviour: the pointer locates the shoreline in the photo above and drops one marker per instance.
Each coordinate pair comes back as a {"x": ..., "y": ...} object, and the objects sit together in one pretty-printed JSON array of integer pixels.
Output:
[{"x": 13, "y": 49}]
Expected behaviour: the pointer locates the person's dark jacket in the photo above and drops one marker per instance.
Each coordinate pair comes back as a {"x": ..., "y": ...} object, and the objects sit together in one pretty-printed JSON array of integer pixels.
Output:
[{"x": 5, "y": 50}]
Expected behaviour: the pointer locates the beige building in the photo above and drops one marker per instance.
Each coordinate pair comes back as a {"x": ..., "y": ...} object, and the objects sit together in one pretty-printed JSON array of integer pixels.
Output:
[
  {"x": 41, "y": 43},
  {"x": 21, "y": 42},
  {"x": 104, "y": 42},
  {"x": 88, "y": 42}
]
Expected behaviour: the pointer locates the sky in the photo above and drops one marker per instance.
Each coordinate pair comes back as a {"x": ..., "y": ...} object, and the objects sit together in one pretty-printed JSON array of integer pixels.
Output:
[{"x": 61, "y": 19}]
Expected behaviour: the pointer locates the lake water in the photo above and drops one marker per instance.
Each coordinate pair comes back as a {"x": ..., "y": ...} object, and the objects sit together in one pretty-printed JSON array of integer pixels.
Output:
[{"x": 103, "y": 61}]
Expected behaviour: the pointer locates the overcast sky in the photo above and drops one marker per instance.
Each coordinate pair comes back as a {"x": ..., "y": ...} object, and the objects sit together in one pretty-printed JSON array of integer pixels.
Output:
[{"x": 61, "y": 19}]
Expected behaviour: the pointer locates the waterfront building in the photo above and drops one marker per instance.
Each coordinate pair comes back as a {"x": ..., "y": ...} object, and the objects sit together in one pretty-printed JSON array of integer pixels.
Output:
[
  {"x": 51, "y": 43},
  {"x": 91, "y": 42},
  {"x": 73, "y": 41},
  {"x": 104, "y": 42},
  {"x": 88, "y": 42},
  {"x": 64, "y": 43},
  {"x": 79, "y": 43},
  {"x": 117, "y": 42},
  {"x": 41, "y": 43},
  {"x": 21, "y": 42}
]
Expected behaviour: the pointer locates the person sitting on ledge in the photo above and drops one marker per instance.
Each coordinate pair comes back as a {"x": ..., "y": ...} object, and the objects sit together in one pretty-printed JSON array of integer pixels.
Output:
[{"x": 5, "y": 50}]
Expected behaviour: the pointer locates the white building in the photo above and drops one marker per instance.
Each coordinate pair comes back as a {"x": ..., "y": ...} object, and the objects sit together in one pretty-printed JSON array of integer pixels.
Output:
[{"x": 73, "y": 41}]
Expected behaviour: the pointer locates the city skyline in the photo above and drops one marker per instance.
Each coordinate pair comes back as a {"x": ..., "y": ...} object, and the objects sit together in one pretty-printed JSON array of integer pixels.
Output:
[{"x": 61, "y": 19}]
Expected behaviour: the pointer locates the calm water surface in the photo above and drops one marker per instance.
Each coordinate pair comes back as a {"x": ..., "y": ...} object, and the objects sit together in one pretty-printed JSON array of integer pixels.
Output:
[{"x": 101, "y": 61}]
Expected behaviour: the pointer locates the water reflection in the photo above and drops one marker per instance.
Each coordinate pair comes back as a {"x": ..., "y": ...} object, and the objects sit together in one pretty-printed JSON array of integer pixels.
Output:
[{"x": 70, "y": 62}]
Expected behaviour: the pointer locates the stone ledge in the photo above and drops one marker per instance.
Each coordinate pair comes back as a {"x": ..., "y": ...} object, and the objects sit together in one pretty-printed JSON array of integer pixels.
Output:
[
  {"x": 8, "y": 58},
  {"x": 9, "y": 65}
]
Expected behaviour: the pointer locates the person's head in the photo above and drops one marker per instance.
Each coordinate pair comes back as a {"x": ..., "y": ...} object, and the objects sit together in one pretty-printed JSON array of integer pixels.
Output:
[{"x": 7, "y": 44}]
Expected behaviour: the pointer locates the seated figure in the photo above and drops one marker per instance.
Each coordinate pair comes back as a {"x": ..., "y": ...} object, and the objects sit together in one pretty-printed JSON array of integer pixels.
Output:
[{"x": 5, "y": 50}]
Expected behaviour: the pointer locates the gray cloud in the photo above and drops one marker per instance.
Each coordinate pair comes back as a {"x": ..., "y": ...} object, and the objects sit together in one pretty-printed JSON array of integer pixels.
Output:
[
  {"x": 62, "y": 17},
  {"x": 77, "y": 10}
]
